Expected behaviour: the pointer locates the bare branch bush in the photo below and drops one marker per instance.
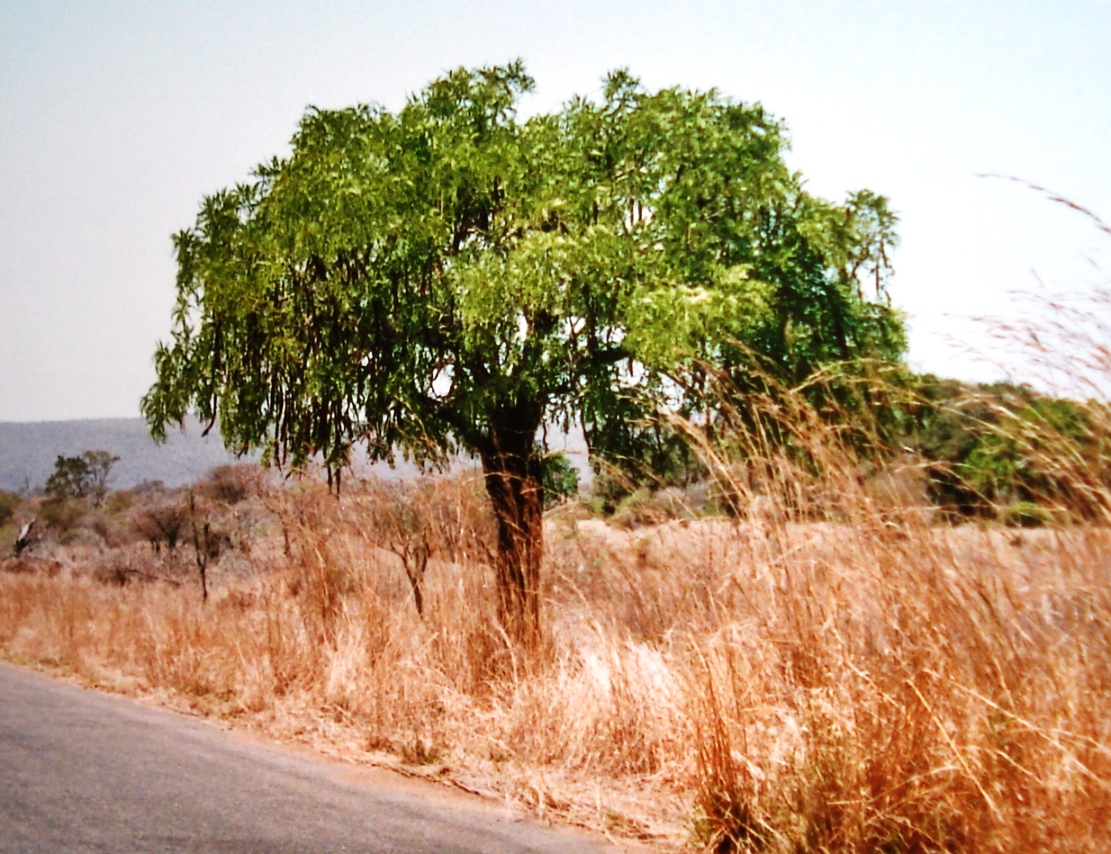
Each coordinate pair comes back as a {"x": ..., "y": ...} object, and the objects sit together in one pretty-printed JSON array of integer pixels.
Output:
[{"x": 162, "y": 523}]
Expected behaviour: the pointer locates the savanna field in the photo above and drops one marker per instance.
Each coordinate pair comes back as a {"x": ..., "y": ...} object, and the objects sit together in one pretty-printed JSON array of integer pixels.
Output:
[
  {"x": 834, "y": 668},
  {"x": 812, "y": 601}
]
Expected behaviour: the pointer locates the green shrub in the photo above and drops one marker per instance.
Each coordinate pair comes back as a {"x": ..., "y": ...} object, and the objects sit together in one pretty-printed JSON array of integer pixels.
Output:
[
  {"x": 9, "y": 503},
  {"x": 62, "y": 515},
  {"x": 559, "y": 479},
  {"x": 1008, "y": 445}
]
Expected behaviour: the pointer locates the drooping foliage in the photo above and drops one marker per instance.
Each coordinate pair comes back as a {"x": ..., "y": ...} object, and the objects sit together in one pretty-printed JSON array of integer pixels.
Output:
[{"x": 451, "y": 276}]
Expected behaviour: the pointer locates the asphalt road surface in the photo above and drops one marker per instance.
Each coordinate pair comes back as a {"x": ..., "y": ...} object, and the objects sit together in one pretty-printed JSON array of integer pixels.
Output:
[{"x": 87, "y": 772}]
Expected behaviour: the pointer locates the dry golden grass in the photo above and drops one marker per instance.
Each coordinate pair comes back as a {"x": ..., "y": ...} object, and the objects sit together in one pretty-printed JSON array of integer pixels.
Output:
[{"x": 869, "y": 684}]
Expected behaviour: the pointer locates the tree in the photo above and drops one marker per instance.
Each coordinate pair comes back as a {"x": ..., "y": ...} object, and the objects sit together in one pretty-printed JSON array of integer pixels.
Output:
[
  {"x": 85, "y": 476},
  {"x": 453, "y": 277}
]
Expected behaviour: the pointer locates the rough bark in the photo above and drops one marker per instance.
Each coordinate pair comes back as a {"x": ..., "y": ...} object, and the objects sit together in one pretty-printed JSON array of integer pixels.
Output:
[{"x": 511, "y": 466}]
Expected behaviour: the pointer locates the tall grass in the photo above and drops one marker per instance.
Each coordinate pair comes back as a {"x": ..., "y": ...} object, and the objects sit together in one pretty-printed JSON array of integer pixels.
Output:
[{"x": 869, "y": 682}]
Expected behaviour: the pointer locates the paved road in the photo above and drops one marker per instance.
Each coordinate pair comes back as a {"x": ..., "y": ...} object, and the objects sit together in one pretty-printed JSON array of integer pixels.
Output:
[{"x": 86, "y": 772}]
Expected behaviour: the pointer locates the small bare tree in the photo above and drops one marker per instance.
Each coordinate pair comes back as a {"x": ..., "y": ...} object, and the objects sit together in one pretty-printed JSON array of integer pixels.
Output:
[
  {"x": 163, "y": 524},
  {"x": 443, "y": 518},
  {"x": 207, "y": 544},
  {"x": 401, "y": 528}
]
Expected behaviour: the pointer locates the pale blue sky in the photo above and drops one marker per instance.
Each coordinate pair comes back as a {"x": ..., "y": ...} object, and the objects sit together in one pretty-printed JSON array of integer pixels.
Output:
[{"x": 116, "y": 118}]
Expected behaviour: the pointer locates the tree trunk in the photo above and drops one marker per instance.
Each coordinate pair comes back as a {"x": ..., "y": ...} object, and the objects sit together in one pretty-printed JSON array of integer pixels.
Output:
[{"x": 511, "y": 466}]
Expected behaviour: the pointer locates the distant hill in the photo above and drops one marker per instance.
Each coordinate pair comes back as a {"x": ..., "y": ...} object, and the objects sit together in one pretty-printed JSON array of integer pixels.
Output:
[{"x": 28, "y": 451}]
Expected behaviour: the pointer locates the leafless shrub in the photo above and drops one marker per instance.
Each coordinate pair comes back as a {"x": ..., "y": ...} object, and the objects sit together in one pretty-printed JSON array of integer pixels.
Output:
[
  {"x": 164, "y": 522},
  {"x": 232, "y": 484},
  {"x": 122, "y": 566}
]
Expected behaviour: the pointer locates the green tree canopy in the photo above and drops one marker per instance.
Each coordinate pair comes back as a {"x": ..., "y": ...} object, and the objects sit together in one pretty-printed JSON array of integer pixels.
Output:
[{"x": 453, "y": 277}]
